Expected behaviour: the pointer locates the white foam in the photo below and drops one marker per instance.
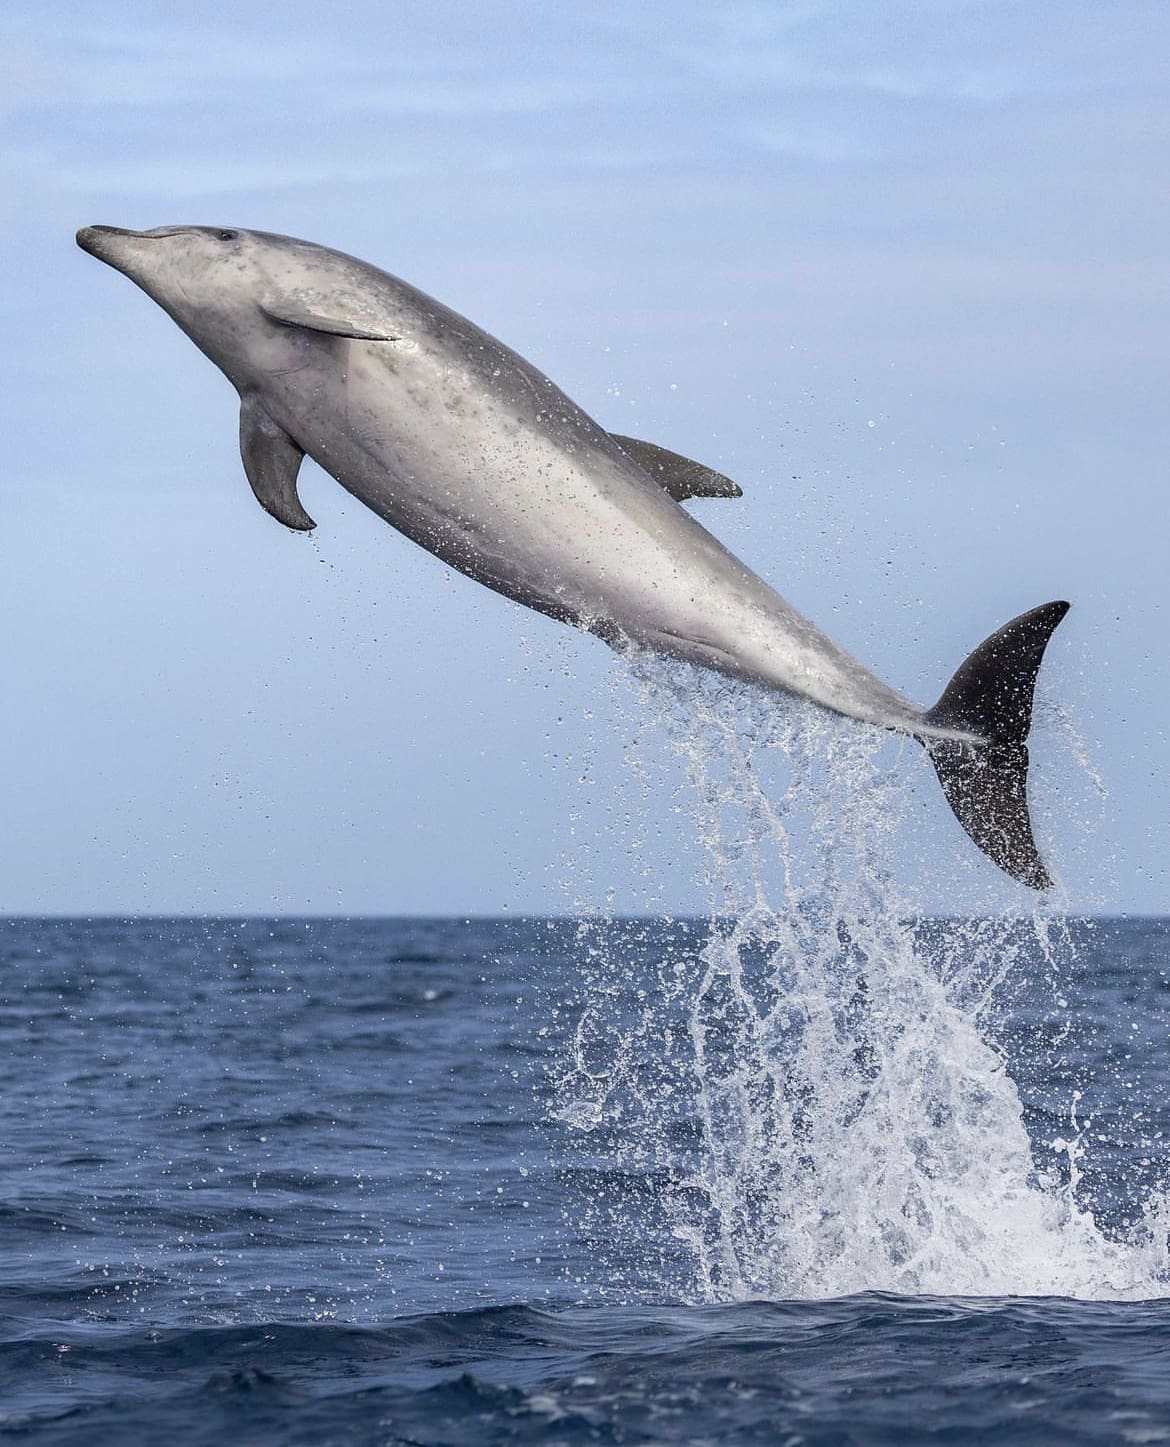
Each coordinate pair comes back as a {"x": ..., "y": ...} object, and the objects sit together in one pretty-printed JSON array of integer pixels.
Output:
[{"x": 820, "y": 1084}]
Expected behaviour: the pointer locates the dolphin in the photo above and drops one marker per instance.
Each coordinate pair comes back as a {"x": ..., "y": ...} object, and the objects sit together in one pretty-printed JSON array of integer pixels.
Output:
[{"x": 475, "y": 455}]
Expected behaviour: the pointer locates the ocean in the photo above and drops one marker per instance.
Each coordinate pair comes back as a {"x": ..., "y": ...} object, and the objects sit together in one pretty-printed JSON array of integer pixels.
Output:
[{"x": 787, "y": 1177}]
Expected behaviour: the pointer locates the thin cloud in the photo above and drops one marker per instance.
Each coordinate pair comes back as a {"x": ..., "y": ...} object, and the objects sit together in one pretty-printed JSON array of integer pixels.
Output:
[{"x": 207, "y": 176}]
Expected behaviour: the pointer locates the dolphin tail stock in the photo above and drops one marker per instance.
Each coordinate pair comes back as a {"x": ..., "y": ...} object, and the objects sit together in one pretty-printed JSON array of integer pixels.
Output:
[{"x": 986, "y": 783}]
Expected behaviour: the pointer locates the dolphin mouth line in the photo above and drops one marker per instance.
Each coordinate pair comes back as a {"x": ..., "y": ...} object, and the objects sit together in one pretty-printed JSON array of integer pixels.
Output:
[{"x": 91, "y": 238}]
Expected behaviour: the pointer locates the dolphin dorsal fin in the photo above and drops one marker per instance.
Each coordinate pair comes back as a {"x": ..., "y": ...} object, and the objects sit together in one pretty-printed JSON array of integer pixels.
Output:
[
  {"x": 293, "y": 311},
  {"x": 272, "y": 460},
  {"x": 678, "y": 475}
]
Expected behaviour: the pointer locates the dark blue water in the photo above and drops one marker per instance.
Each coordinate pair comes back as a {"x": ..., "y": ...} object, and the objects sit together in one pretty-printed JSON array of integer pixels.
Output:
[{"x": 333, "y": 1181}]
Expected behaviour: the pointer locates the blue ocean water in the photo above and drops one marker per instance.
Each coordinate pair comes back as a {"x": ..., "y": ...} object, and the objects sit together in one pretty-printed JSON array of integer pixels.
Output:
[{"x": 451, "y": 1181}]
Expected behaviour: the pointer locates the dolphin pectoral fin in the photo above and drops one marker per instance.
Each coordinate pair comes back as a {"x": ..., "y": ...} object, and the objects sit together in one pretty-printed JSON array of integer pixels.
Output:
[
  {"x": 677, "y": 475},
  {"x": 272, "y": 460},
  {"x": 292, "y": 312}
]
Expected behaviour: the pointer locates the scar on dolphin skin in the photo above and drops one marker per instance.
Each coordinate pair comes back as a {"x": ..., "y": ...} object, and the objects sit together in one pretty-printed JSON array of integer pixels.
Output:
[{"x": 474, "y": 454}]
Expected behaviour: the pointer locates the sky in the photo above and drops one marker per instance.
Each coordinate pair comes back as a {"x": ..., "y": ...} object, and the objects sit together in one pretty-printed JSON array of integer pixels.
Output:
[{"x": 900, "y": 269}]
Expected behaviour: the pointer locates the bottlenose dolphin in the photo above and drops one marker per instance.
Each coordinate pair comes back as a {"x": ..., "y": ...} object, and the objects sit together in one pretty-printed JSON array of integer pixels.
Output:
[{"x": 465, "y": 447}]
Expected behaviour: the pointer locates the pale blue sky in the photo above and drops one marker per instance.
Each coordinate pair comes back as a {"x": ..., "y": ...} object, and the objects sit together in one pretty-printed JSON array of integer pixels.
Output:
[{"x": 748, "y": 232}]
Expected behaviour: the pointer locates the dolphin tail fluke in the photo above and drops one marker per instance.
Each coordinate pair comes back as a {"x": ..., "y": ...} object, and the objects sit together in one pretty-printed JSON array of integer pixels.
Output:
[{"x": 986, "y": 784}]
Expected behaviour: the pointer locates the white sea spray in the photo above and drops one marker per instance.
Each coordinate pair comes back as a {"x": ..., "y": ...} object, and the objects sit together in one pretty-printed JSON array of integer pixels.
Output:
[{"x": 814, "y": 1095}]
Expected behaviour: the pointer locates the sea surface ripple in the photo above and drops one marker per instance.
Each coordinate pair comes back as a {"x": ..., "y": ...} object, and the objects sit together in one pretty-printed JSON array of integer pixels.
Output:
[{"x": 316, "y": 1181}]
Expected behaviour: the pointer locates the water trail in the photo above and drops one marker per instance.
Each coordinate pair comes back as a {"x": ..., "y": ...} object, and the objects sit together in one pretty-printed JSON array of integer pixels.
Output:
[{"x": 810, "y": 1090}]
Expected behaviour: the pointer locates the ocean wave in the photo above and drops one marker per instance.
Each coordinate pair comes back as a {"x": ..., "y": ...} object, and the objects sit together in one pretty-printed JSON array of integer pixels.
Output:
[{"x": 804, "y": 1372}]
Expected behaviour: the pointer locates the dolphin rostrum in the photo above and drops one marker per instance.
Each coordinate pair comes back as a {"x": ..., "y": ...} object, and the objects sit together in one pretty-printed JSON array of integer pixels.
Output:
[{"x": 474, "y": 454}]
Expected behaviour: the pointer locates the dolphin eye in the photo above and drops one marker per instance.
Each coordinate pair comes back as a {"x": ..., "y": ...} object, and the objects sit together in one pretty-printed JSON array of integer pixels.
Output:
[{"x": 227, "y": 235}]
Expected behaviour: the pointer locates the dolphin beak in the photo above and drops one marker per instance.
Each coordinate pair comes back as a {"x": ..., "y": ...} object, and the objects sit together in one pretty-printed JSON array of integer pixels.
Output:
[
  {"x": 95, "y": 239},
  {"x": 113, "y": 245}
]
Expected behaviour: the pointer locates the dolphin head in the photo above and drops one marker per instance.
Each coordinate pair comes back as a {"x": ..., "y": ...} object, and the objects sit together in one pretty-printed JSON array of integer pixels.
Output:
[
  {"x": 181, "y": 267},
  {"x": 241, "y": 296},
  {"x": 209, "y": 279}
]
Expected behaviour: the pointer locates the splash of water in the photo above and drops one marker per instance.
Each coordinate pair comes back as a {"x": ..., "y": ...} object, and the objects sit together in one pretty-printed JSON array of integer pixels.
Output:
[{"x": 813, "y": 1085}]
